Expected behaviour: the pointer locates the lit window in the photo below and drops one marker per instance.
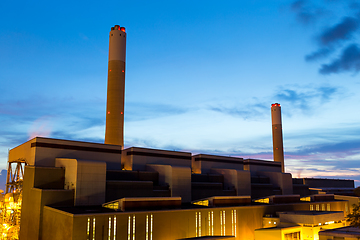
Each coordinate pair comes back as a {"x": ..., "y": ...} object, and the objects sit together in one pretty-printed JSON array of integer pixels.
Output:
[
  {"x": 209, "y": 222},
  {"x": 88, "y": 229},
  {"x": 322, "y": 207},
  {"x": 233, "y": 222},
  {"x": 151, "y": 227},
  {"x": 328, "y": 207},
  {"x": 196, "y": 224},
  {"x": 199, "y": 224},
  {"x": 114, "y": 227},
  {"x": 346, "y": 207},
  {"x": 133, "y": 227},
  {"x": 147, "y": 228},
  {"x": 311, "y": 207},
  {"x": 93, "y": 229},
  {"x": 222, "y": 223},
  {"x": 129, "y": 228},
  {"x": 109, "y": 232},
  {"x": 317, "y": 207}
]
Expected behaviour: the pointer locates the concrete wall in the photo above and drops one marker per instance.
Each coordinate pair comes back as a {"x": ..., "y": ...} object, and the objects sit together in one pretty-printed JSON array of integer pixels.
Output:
[
  {"x": 179, "y": 224},
  {"x": 238, "y": 179},
  {"x": 86, "y": 178},
  {"x": 178, "y": 178},
  {"x": 43, "y": 151},
  {"x": 328, "y": 183},
  {"x": 281, "y": 180},
  {"x": 255, "y": 166},
  {"x": 203, "y": 163},
  {"x": 34, "y": 199},
  {"x": 136, "y": 158},
  {"x": 57, "y": 225}
]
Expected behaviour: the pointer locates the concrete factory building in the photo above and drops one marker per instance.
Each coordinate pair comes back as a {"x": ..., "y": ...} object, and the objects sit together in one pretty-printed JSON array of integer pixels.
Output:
[{"x": 81, "y": 190}]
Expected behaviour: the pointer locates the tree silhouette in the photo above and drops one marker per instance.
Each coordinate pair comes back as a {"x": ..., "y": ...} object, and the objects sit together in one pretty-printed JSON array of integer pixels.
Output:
[{"x": 354, "y": 217}]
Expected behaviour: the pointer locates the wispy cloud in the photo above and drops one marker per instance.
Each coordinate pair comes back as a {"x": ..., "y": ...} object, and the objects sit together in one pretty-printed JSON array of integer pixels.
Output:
[
  {"x": 319, "y": 54},
  {"x": 333, "y": 35},
  {"x": 306, "y": 97},
  {"x": 340, "y": 32},
  {"x": 136, "y": 111},
  {"x": 349, "y": 61},
  {"x": 306, "y": 13},
  {"x": 248, "y": 111}
]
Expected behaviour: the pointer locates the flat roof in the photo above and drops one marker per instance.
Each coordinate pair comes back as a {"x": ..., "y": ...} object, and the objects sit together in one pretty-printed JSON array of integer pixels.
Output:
[
  {"x": 344, "y": 231},
  {"x": 310, "y": 213}
]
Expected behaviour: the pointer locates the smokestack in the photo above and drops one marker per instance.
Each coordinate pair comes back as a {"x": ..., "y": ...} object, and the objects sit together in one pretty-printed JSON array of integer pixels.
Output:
[
  {"x": 278, "y": 149},
  {"x": 114, "y": 132}
]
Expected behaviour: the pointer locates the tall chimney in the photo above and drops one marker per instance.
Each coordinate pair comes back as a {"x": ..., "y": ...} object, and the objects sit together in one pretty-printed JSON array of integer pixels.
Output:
[
  {"x": 278, "y": 149},
  {"x": 114, "y": 132}
]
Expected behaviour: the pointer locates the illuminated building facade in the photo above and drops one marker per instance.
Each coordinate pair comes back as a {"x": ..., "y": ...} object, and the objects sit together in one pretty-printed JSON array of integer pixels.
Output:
[{"x": 81, "y": 190}]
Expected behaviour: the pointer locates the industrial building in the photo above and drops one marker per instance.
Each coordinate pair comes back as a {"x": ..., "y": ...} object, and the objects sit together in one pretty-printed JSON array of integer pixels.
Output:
[{"x": 81, "y": 190}]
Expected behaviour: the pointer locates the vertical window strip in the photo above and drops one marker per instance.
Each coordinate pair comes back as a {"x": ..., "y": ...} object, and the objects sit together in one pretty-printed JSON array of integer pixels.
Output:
[
  {"x": 235, "y": 221},
  {"x": 88, "y": 229},
  {"x": 129, "y": 227},
  {"x": 212, "y": 223},
  {"x": 196, "y": 225},
  {"x": 346, "y": 207},
  {"x": 209, "y": 223},
  {"x": 109, "y": 232},
  {"x": 114, "y": 227},
  {"x": 232, "y": 222},
  {"x": 199, "y": 224},
  {"x": 93, "y": 230},
  {"x": 151, "y": 226},
  {"x": 133, "y": 227},
  {"x": 147, "y": 228},
  {"x": 328, "y": 207},
  {"x": 224, "y": 221},
  {"x": 221, "y": 224}
]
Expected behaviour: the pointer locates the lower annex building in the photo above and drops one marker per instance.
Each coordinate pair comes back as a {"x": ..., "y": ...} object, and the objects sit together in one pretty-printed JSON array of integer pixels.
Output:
[{"x": 80, "y": 190}]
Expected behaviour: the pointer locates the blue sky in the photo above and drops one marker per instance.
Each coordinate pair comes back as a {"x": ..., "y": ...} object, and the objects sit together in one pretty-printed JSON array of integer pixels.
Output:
[{"x": 200, "y": 77}]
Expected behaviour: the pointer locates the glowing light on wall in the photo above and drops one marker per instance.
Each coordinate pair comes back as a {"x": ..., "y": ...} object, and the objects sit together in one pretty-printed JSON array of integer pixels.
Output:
[{"x": 305, "y": 199}]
